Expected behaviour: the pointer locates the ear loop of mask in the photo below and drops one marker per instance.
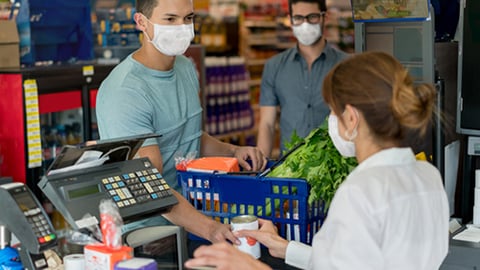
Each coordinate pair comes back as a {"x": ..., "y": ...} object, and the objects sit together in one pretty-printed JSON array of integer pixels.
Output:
[{"x": 145, "y": 32}]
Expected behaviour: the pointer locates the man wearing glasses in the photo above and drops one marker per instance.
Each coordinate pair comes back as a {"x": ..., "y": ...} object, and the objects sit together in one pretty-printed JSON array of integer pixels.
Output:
[{"x": 292, "y": 80}]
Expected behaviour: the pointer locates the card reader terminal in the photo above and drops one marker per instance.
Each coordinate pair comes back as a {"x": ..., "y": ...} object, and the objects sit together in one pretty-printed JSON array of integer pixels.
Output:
[
  {"x": 23, "y": 215},
  {"x": 136, "y": 186}
]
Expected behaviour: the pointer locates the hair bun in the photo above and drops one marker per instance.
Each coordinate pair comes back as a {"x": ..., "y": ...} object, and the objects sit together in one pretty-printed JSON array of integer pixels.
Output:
[{"x": 412, "y": 105}]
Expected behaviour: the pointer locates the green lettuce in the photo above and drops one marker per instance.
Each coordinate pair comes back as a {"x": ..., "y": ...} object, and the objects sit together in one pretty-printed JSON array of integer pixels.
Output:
[{"x": 318, "y": 162}]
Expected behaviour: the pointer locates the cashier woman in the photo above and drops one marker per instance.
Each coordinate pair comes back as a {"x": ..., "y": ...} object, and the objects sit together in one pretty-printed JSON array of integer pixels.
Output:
[{"x": 391, "y": 212}]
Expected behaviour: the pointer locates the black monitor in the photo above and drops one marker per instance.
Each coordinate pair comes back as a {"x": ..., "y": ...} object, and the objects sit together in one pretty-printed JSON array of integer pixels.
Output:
[{"x": 468, "y": 103}]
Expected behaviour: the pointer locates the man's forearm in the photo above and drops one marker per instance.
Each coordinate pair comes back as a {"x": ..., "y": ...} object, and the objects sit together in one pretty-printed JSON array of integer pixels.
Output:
[
  {"x": 211, "y": 146},
  {"x": 185, "y": 215}
]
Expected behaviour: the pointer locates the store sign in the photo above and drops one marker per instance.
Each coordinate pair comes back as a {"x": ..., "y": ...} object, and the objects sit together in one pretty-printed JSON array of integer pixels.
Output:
[{"x": 379, "y": 10}]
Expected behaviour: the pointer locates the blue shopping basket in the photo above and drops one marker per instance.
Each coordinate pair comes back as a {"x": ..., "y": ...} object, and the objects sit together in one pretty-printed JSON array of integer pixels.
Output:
[{"x": 284, "y": 201}]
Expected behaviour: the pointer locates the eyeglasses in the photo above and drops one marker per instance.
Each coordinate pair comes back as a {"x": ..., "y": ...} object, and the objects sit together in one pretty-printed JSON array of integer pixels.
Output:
[{"x": 311, "y": 18}]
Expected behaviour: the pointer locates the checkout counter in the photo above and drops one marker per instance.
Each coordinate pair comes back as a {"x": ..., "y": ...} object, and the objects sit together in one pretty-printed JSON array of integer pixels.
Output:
[
  {"x": 463, "y": 254},
  {"x": 77, "y": 181}
]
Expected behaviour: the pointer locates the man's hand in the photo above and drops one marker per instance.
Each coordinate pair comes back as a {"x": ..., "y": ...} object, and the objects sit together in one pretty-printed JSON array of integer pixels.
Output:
[
  {"x": 224, "y": 256},
  {"x": 220, "y": 232},
  {"x": 267, "y": 235},
  {"x": 244, "y": 153}
]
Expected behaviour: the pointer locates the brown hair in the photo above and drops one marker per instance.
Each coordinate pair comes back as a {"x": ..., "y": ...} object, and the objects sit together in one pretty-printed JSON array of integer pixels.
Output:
[
  {"x": 380, "y": 87},
  {"x": 146, "y": 7}
]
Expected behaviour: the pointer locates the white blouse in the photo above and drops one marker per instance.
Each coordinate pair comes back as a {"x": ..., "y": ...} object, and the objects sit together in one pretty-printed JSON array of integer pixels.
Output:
[{"x": 390, "y": 213}]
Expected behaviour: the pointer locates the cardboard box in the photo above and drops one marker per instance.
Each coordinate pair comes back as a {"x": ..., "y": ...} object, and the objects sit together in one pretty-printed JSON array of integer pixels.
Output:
[
  {"x": 9, "y": 42},
  {"x": 100, "y": 257}
]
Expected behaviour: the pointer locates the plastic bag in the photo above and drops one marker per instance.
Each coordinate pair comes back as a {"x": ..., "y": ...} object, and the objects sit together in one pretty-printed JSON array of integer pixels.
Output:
[
  {"x": 181, "y": 162},
  {"x": 111, "y": 224}
]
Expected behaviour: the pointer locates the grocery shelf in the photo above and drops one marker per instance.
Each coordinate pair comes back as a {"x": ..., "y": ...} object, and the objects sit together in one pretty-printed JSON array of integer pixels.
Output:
[
  {"x": 254, "y": 83},
  {"x": 256, "y": 62},
  {"x": 286, "y": 45},
  {"x": 260, "y": 24}
]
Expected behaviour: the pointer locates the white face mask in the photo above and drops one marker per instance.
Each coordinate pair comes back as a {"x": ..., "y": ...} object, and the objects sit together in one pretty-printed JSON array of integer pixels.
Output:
[
  {"x": 346, "y": 148},
  {"x": 307, "y": 33},
  {"x": 171, "y": 39}
]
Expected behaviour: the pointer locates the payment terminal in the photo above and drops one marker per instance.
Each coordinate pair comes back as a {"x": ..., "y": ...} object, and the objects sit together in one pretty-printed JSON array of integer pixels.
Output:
[{"x": 24, "y": 216}]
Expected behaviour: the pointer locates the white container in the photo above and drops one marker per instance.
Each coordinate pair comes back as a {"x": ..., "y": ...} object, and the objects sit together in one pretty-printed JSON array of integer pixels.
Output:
[
  {"x": 476, "y": 215},
  {"x": 476, "y": 197},
  {"x": 247, "y": 222},
  {"x": 477, "y": 178}
]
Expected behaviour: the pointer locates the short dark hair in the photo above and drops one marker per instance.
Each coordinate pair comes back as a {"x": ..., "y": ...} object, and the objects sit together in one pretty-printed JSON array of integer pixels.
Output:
[
  {"x": 321, "y": 4},
  {"x": 146, "y": 7}
]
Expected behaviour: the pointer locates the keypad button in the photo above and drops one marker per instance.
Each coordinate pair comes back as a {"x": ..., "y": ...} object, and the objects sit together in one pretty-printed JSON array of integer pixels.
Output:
[
  {"x": 127, "y": 192},
  {"x": 148, "y": 187}
]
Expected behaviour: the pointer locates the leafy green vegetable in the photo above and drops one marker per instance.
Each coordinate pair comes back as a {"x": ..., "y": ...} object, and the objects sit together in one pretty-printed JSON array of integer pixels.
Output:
[{"x": 318, "y": 162}]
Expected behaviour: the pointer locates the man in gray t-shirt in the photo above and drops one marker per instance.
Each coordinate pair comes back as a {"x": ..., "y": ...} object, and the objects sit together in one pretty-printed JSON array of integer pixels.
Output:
[
  {"x": 292, "y": 80},
  {"x": 155, "y": 90}
]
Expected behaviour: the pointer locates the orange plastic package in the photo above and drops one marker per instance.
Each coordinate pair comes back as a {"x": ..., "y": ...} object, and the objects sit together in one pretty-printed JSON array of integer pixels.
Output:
[{"x": 211, "y": 164}]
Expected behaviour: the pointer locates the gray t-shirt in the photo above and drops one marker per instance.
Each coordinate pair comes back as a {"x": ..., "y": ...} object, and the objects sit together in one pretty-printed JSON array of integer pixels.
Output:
[
  {"x": 286, "y": 82},
  {"x": 136, "y": 100}
]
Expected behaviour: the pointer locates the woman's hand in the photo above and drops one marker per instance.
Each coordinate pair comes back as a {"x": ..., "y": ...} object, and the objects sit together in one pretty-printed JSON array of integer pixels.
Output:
[
  {"x": 267, "y": 235},
  {"x": 224, "y": 256}
]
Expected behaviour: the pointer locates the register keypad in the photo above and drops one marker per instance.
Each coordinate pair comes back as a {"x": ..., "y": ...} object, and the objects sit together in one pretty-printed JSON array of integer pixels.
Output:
[{"x": 129, "y": 189}]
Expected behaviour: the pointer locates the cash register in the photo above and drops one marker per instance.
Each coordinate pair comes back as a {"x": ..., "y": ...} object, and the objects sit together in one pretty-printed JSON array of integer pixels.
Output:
[{"x": 82, "y": 176}]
